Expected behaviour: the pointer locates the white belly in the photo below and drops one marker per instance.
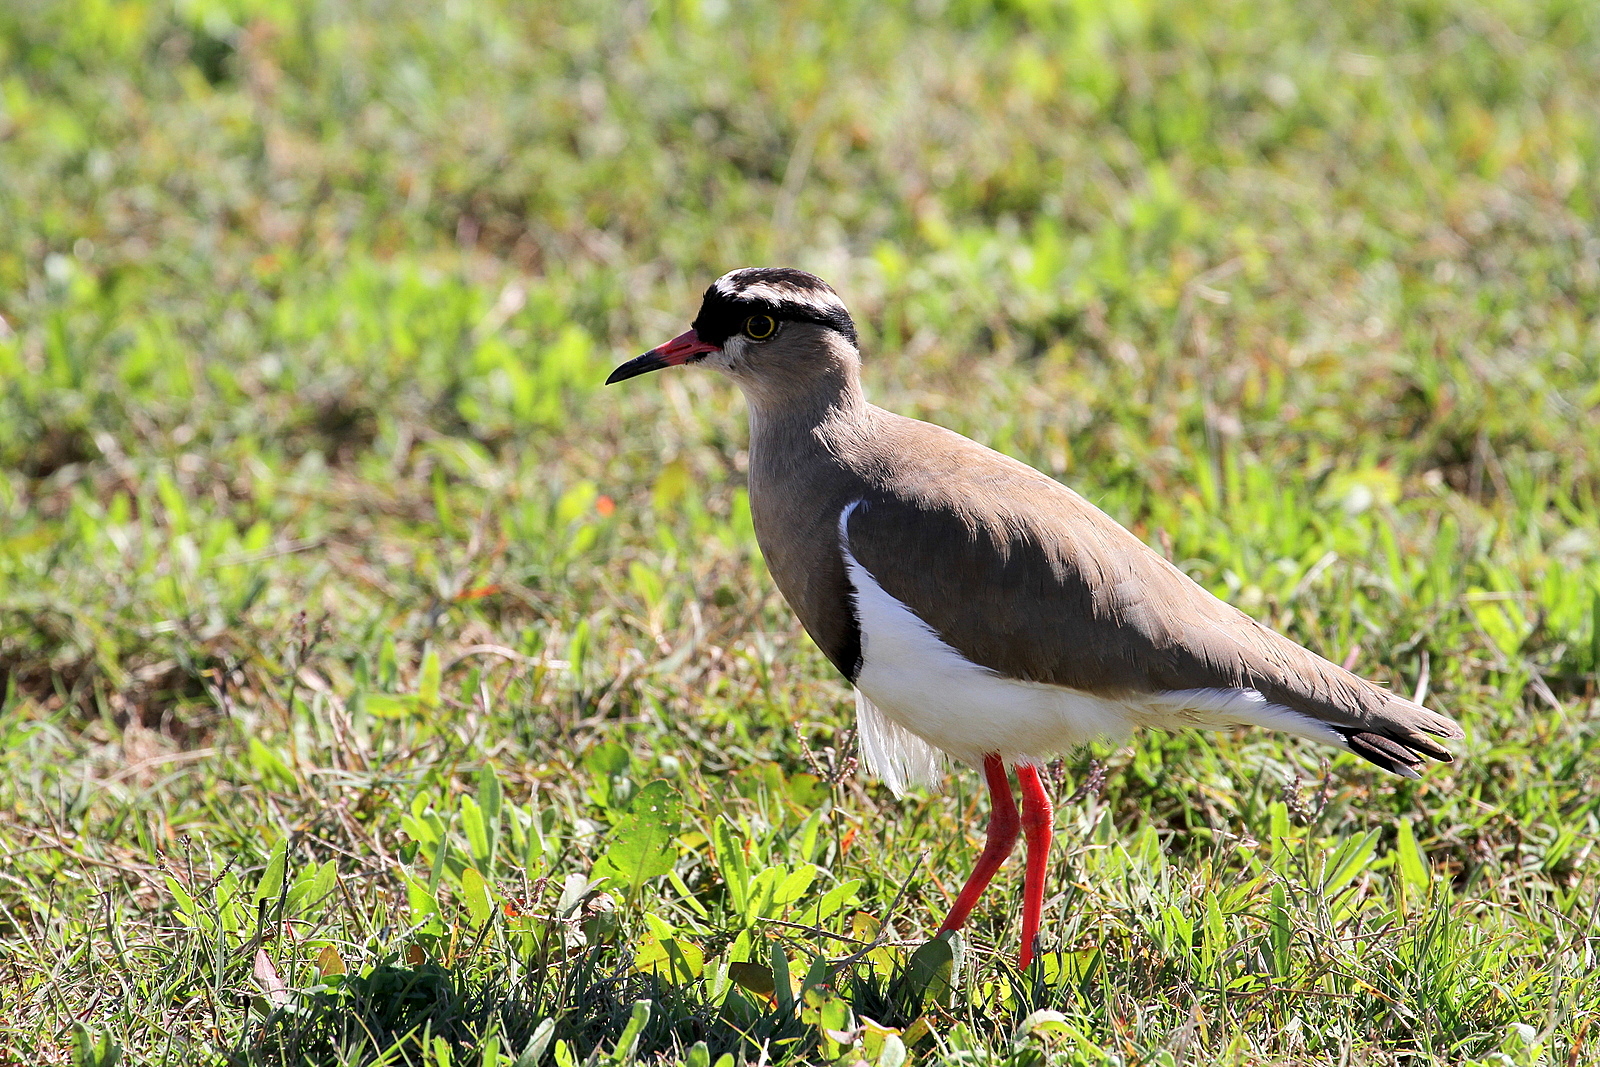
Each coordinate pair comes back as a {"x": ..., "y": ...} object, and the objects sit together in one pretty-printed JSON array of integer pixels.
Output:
[{"x": 916, "y": 691}]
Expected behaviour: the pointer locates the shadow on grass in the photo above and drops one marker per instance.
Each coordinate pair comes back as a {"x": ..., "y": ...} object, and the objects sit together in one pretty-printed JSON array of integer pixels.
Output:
[{"x": 392, "y": 1012}]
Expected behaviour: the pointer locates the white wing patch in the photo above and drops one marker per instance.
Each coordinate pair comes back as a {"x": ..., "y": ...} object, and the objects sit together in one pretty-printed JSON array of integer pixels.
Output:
[
  {"x": 1221, "y": 709},
  {"x": 917, "y": 696}
]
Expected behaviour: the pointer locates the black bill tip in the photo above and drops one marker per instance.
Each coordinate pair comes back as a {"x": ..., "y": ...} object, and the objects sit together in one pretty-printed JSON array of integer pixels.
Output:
[
  {"x": 644, "y": 364},
  {"x": 684, "y": 348}
]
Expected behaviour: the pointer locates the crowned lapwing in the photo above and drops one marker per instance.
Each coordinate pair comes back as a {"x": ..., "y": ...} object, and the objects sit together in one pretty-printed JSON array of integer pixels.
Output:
[{"x": 983, "y": 610}]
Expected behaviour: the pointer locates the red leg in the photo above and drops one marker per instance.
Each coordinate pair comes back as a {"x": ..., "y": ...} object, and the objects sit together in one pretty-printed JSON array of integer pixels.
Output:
[
  {"x": 1037, "y": 817},
  {"x": 1002, "y": 838}
]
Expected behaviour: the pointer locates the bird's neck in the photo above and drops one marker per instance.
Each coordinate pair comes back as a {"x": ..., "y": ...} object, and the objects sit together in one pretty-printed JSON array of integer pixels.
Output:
[
  {"x": 804, "y": 470},
  {"x": 799, "y": 424},
  {"x": 796, "y": 409}
]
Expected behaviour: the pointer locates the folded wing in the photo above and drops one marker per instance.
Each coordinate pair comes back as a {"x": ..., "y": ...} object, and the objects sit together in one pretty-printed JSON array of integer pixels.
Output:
[{"x": 1023, "y": 576}]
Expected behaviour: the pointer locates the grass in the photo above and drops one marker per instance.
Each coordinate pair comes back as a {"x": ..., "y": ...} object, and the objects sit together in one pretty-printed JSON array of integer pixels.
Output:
[{"x": 377, "y": 689}]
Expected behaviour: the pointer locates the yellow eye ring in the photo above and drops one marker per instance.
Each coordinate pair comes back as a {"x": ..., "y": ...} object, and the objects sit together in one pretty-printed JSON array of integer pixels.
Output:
[{"x": 760, "y": 327}]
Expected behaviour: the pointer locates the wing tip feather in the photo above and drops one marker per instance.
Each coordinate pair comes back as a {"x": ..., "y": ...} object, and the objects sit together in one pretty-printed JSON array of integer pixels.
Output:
[{"x": 1398, "y": 738}]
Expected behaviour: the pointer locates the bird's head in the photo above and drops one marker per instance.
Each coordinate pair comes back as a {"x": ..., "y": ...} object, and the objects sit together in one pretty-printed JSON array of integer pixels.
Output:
[{"x": 766, "y": 327}]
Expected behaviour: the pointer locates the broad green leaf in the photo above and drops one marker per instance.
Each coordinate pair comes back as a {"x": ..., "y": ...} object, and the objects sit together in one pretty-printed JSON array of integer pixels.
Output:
[
  {"x": 527, "y": 836},
  {"x": 642, "y": 844},
  {"x": 879, "y": 1042},
  {"x": 686, "y": 895},
  {"x": 441, "y": 858},
  {"x": 647, "y": 583},
  {"x": 728, "y": 849},
  {"x": 427, "y": 829},
  {"x": 864, "y": 926},
  {"x": 534, "y": 1050},
  {"x": 271, "y": 883},
  {"x": 270, "y": 765},
  {"x": 611, "y": 757},
  {"x": 637, "y": 1021},
  {"x": 826, "y": 1011},
  {"x": 490, "y": 798},
  {"x": 1177, "y": 929},
  {"x": 428, "y": 682},
  {"x": 928, "y": 976},
  {"x": 313, "y": 886},
  {"x": 472, "y": 822},
  {"x": 608, "y": 763},
  {"x": 475, "y": 892},
  {"x": 1281, "y": 931},
  {"x": 329, "y": 962},
  {"x": 810, "y": 834},
  {"x": 759, "y": 905},
  {"x": 186, "y": 909},
  {"x": 754, "y": 977},
  {"x": 232, "y": 917},
  {"x": 782, "y": 983},
  {"x": 575, "y": 502},
  {"x": 91, "y": 1053},
  {"x": 578, "y": 643},
  {"x": 1278, "y": 819},
  {"x": 424, "y": 906},
  {"x": 794, "y": 886},
  {"x": 390, "y": 705},
  {"x": 671, "y": 958},
  {"x": 840, "y": 896},
  {"x": 1412, "y": 861},
  {"x": 388, "y": 661}
]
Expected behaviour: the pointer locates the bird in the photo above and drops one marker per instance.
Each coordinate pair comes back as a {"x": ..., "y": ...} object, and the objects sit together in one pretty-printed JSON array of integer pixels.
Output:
[{"x": 982, "y": 610}]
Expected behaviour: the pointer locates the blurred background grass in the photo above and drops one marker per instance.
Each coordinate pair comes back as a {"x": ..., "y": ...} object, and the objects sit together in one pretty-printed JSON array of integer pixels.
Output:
[{"x": 311, "y": 508}]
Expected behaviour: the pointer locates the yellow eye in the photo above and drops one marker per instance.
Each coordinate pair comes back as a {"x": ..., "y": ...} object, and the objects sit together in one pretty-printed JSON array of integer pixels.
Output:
[{"x": 760, "y": 327}]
